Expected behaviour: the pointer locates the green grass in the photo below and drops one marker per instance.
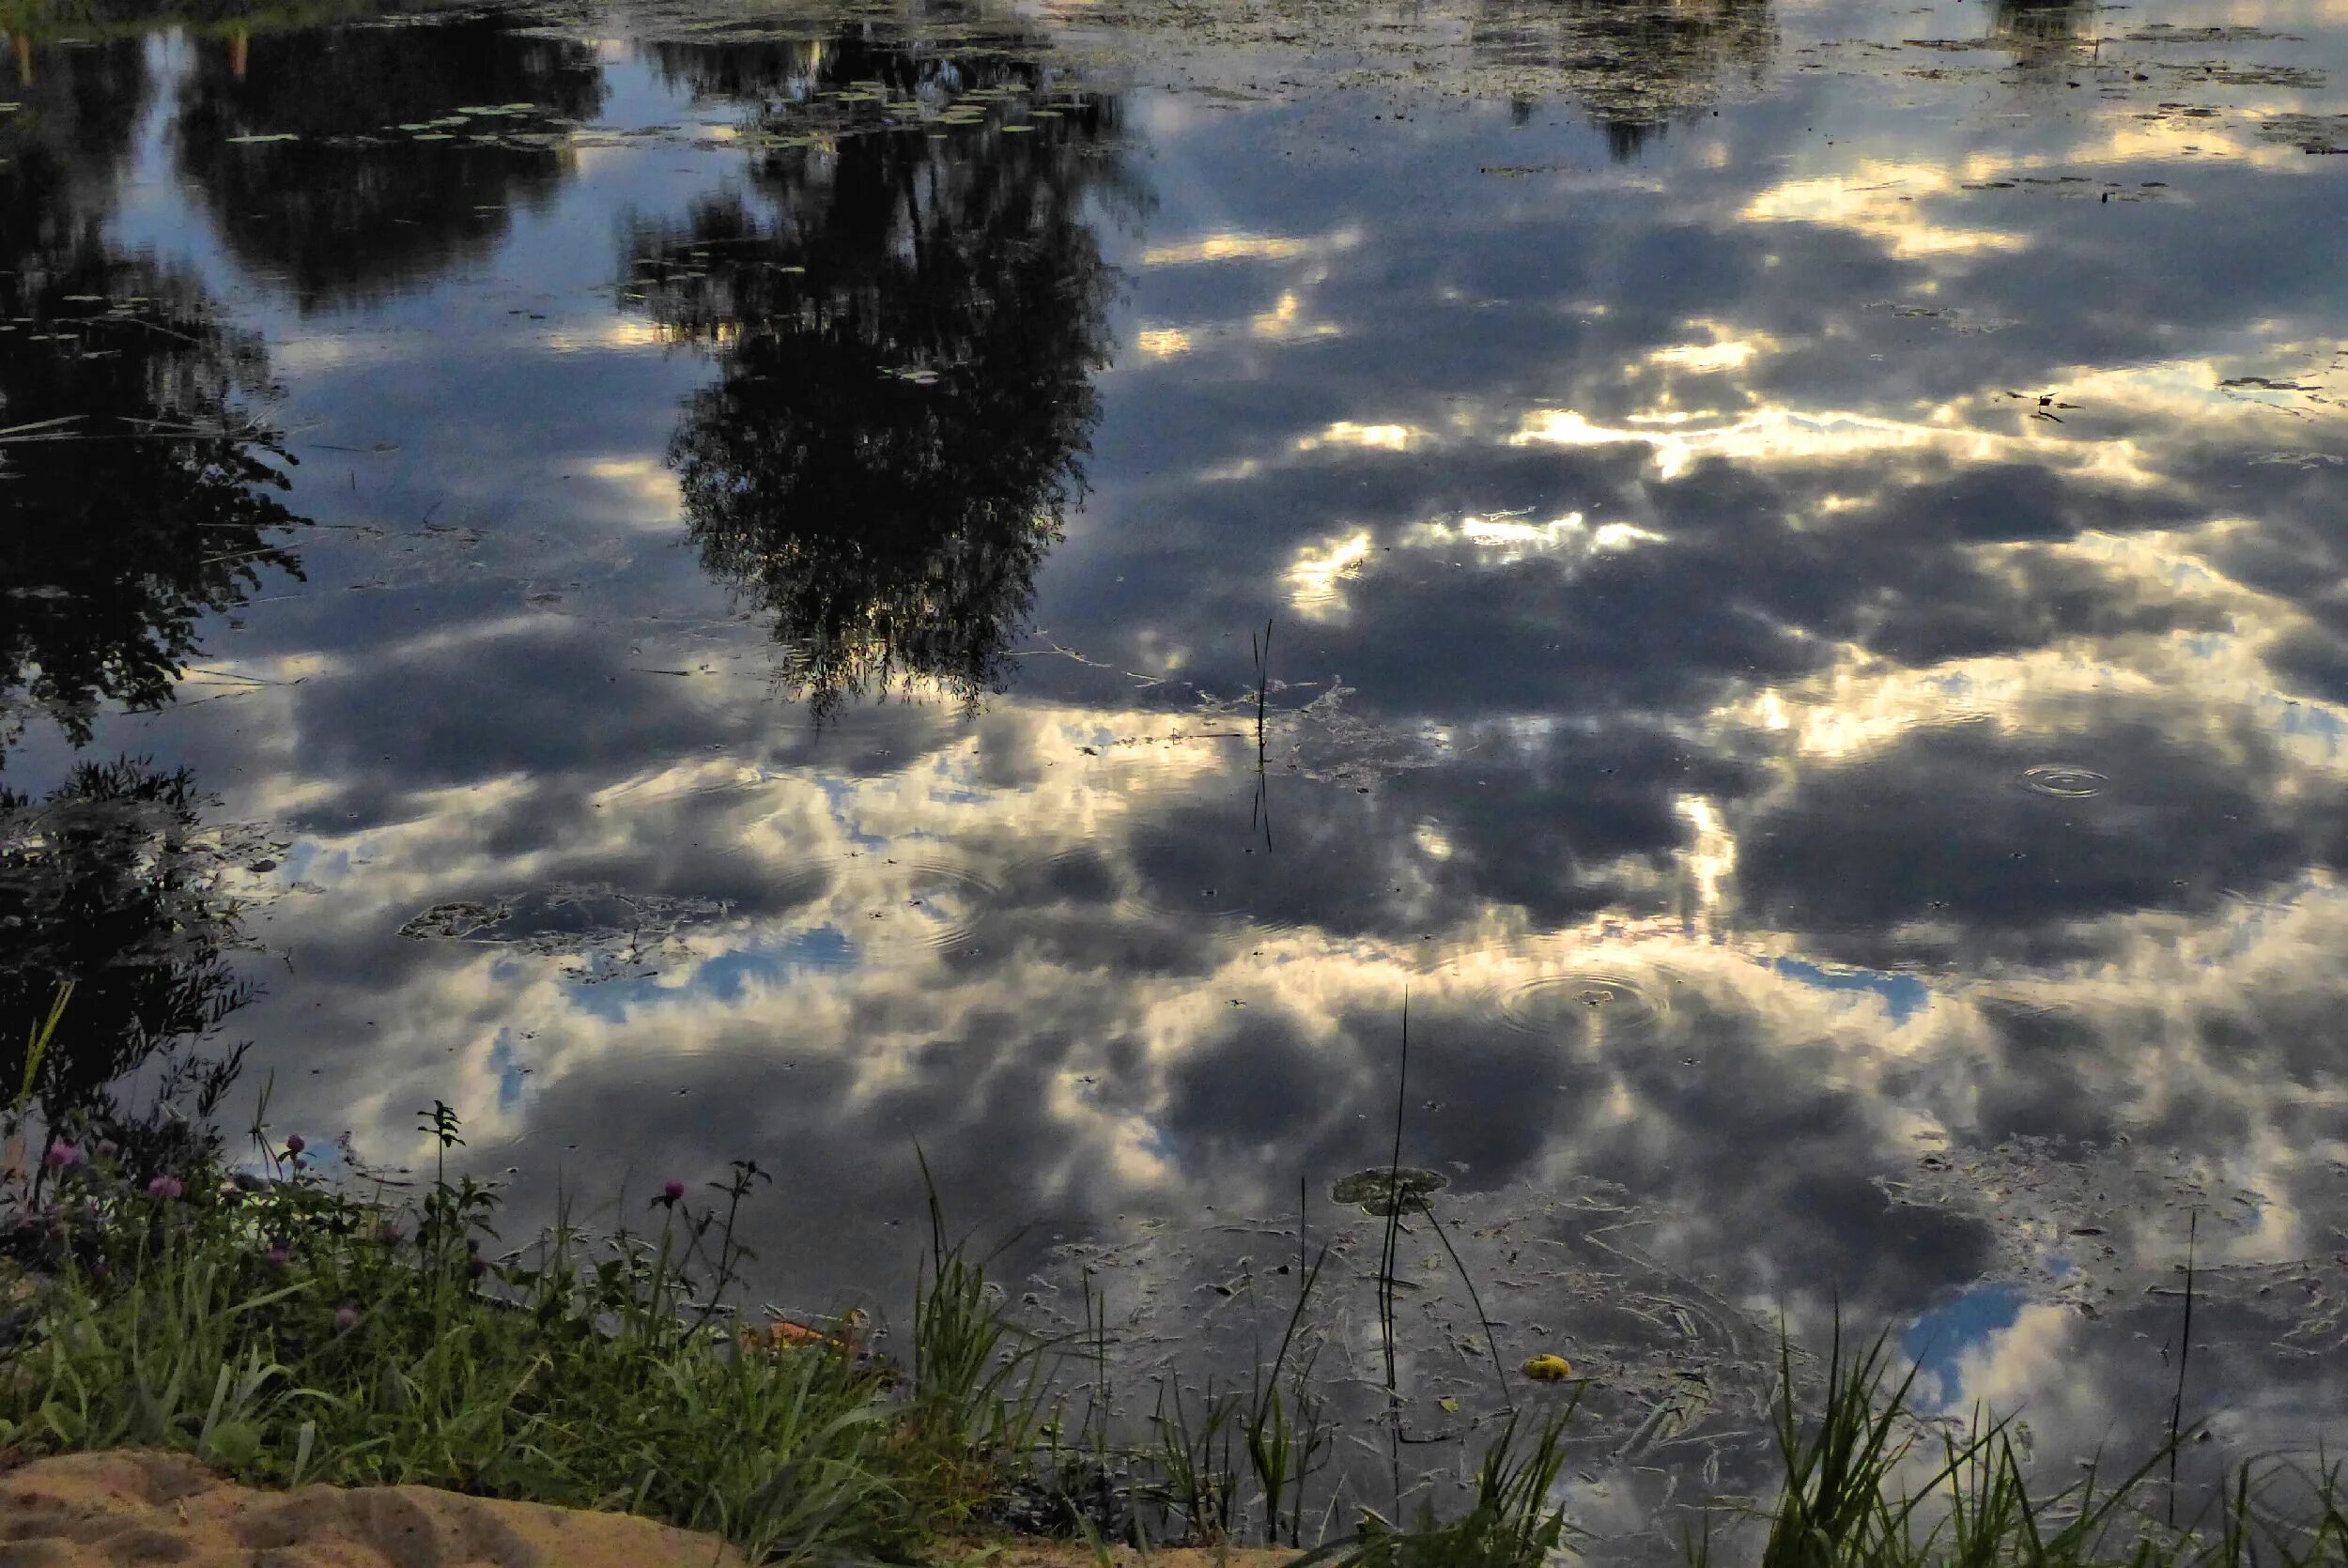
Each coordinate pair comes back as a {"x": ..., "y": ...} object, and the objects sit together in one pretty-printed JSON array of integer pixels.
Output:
[
  {"x": 1513, "y": 1523},
  {"x": 301, "y": 1331},
  {"x": 1843, "y": 1502}
]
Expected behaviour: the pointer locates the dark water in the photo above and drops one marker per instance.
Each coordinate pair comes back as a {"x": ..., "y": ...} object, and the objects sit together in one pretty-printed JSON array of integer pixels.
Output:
[{"x": 686, "y": 581}]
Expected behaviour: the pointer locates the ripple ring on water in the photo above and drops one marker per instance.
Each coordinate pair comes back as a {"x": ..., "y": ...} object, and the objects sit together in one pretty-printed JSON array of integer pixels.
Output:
[
  {"x": 2063, "y": 781},
  {"x": 939, "y": 906},
  {"x": 1584, "y": 999}
]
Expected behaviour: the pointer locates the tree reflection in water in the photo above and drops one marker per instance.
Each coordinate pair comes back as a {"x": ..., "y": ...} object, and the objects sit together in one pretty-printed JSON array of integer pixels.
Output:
[
  {"x": 907, "y": 321},
  {"x": 109, "y": 884},
  {"x": 369, "y": 195},
  {"x": 1634, "y": 66},
  {"x": 2045, "y": 35},
  {"x": 134, "y": 496}
]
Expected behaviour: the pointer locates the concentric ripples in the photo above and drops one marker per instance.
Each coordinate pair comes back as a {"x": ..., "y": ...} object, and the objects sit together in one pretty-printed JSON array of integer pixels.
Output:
[
  {"x": 2063, "y": 781},
  {"x": 1614, "y": 1001},
  {"x": 919, "y": 905}
]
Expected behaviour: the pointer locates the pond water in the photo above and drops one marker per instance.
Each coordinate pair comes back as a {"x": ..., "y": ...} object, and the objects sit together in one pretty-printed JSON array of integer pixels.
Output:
[{"x": 694, "y": 583}]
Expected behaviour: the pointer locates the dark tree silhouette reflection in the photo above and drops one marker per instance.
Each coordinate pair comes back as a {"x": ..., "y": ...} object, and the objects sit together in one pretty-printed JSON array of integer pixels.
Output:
[
  {"x": 1634, "y": 66},
  {"x": 906, "y": 317},
  {"x": 109, "y": 884},
  {"x": 133, "y": 497},
  {"x": 2045, "y": 35},
  {"x": 355, "y": 206}
]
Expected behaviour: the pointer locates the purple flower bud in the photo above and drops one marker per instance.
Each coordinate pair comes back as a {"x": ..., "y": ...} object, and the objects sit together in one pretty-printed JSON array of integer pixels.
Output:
[
  {"x": 62, "y": 1156},
  {"x": 387, "y": 1233},
  {"x": 108, "y": 1148},
  {"x": 167, "y": 1187},
  {"x": 476, "y": 1266},
  {"x": 278, "y": 1257},
  {"x": 674, "y": 1191},
  {"x": 294, "y": 1146},
  {"x": 346, "y": 1319}
]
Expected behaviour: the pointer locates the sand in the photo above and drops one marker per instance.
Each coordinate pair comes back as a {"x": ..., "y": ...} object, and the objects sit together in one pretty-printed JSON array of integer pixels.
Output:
[
  {"x": 85, "y": 1510},
  {"x": 88, "y": 1510}
]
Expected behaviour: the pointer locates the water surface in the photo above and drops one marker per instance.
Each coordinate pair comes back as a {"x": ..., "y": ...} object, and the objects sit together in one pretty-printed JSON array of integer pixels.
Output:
[{"x": 690, "y": 582}]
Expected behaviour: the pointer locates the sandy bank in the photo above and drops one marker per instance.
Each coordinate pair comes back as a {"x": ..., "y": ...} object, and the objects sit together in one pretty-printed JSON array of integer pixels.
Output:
[{"x": 88, "y": 1510}]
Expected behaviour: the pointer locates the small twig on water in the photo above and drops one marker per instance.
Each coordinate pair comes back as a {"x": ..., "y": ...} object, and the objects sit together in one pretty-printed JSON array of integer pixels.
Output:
[{"x": 2185, "y": 1355}]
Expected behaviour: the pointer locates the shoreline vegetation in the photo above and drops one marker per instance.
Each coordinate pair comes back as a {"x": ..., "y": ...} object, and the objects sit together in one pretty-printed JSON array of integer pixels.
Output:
[{"x": 288, "y": 1329}]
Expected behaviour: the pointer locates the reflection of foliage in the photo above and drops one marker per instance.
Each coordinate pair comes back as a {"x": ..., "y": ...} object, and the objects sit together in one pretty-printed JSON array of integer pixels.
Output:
[
  {"x": 1631, "y": 64},
  {"x": 137, "y": 504},
  {"x": 752, "y": 71},
  {"x": 63, "y": 146},
  {"x": 354, "y": 204},
  {"x": 104, "y": 884},
  {"x": 2041, "y": 31},
  {"x": 87, "y": 18},
  {"x": 906, "y": 347}
]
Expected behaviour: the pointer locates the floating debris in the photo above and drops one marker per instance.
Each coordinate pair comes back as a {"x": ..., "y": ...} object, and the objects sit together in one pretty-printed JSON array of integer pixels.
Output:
[
  {"x": 2317, "y": 134},
  {"x": 1375, "y": 1192}
]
